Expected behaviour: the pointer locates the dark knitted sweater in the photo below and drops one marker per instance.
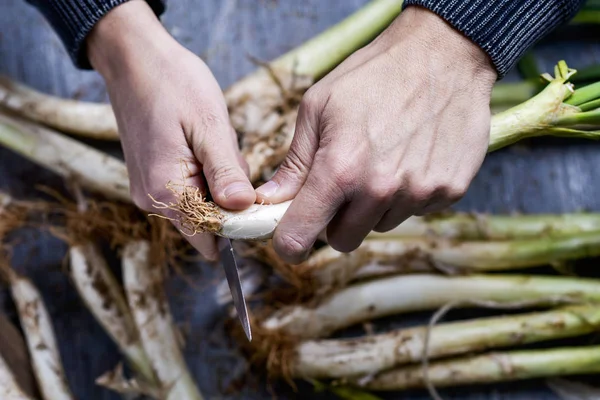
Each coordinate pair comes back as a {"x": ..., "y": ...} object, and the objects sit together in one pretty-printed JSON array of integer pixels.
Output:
[
  {"x": 74, "y": 19},
  {"x": 504, "y": 29}
]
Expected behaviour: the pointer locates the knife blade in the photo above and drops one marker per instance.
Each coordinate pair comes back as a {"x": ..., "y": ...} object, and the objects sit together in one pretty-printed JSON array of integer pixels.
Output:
[{"x": 235, "y": 285}]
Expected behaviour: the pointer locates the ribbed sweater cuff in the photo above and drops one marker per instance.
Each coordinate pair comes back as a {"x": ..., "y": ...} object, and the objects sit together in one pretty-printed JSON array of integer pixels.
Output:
[
  {"x": 504, "y": 29},
  {"x": 74, "y": 19}
]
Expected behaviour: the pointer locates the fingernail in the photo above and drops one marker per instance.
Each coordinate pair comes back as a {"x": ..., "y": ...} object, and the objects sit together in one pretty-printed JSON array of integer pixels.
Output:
[
  {"x": 268, "y": 189},
  {"x": 234, "y": 189}
]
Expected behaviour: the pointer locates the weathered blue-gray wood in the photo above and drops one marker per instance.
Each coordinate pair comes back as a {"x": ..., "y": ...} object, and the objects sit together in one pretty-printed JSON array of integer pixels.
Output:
[{"x": 552, "y": 176}]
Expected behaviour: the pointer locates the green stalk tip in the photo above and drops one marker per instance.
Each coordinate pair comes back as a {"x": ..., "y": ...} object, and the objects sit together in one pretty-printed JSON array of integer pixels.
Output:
[
  {"x": 572, "y": 133},
  {"x": 547, "y": 77},
  {"x": 583, "y": 118},
  {"x": 590, "y": 105},
  {"x": 564, "y": 72},
  {"x": 584, "y": 94}
]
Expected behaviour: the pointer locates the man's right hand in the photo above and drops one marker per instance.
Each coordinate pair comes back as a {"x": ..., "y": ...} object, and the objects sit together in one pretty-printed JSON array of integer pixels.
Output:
[{"x": 169, "y": 109}]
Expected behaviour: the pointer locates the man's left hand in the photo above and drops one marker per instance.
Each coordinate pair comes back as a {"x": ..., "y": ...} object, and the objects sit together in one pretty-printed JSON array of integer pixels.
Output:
[{"x": 400, "y": 128}]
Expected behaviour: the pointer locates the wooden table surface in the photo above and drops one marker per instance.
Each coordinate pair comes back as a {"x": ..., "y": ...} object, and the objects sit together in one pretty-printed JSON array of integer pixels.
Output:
[{"x": 548, "y": 176}]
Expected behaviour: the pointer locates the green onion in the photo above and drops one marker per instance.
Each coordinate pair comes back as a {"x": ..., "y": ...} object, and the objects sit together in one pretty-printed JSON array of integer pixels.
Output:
[
  {"x": 93, "y": 120},
  {"x": 355, "y": 357},
  {"x": 479, "y": 226},
  {"x": 418, "y": 292},
  {"x": 492, "y": 368},
  {"x": 328, "y": 268}
]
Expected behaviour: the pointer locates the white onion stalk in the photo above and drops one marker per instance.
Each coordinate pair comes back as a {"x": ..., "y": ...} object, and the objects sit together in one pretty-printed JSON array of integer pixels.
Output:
[
  {"x": 148, "y": 302},
  {"x": 419, "y": 292},
  {"x": 39, "y": 335},
  {"x": 103, "y": 296},
  {"x": 9, "y": 387},
  {"x": 93, "y": 120},
  {"x": 257, "y": 222},
  {"x": 478, "y": 226},
  {"x": 328, "y": 268},
  {"x": 66, "y": 157},
  {"x": 195, "y": 215},
  {"x": 491, "y": 368},
  {"x": 354, "y": 357}
]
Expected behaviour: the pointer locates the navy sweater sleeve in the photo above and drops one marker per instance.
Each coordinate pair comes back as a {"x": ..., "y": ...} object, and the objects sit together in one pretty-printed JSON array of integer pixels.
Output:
[
  {"x": 504, "y": 29},
  {"x": 74, "y": 19}
]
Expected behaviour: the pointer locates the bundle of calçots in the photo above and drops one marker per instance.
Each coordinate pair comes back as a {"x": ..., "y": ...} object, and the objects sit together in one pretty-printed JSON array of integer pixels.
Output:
[{"x": 428, "y": 263}]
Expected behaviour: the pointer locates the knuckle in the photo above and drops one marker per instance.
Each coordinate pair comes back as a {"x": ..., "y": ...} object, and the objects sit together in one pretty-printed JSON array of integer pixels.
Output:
[
  {"x": 311, "y": 98},
  {"x": 405, "y": 178},
  {"x": 344, "y": 181},
  {"x": 446, "y": 190},
  {"x": 343, "y": 171},
  {"x": 423, "y": 191},
  {"x": 457, "y": 190},
  {"x": 382, "y": 191}
]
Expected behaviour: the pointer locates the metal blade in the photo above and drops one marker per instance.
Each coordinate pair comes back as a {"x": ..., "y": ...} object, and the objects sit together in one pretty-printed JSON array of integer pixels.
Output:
[{"x": 235, "y": 285}]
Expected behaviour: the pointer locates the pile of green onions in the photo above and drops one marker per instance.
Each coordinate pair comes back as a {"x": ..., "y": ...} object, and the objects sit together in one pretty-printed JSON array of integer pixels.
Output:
[{"x": 425, "y": 264}]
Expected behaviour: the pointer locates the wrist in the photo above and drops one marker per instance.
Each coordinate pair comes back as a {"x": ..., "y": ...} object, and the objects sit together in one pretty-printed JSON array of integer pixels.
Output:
[
  {"x": 124, "y": 37},
  {"x": 431, "y": 33}
]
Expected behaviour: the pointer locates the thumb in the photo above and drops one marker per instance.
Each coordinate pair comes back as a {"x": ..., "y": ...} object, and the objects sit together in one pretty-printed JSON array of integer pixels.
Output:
[
  {"x": 292, "y": 173},
  {"x": 227, "y": 180}
]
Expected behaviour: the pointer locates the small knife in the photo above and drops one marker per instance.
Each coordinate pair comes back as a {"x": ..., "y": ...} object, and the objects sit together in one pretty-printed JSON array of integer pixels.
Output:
[{"x": 235, "y": 285}]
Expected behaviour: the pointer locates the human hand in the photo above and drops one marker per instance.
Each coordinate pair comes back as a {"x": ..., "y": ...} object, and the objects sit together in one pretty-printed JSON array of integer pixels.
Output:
[
  {"x": 400, "y": 128},
  {"x": 169, "y": 110}
]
